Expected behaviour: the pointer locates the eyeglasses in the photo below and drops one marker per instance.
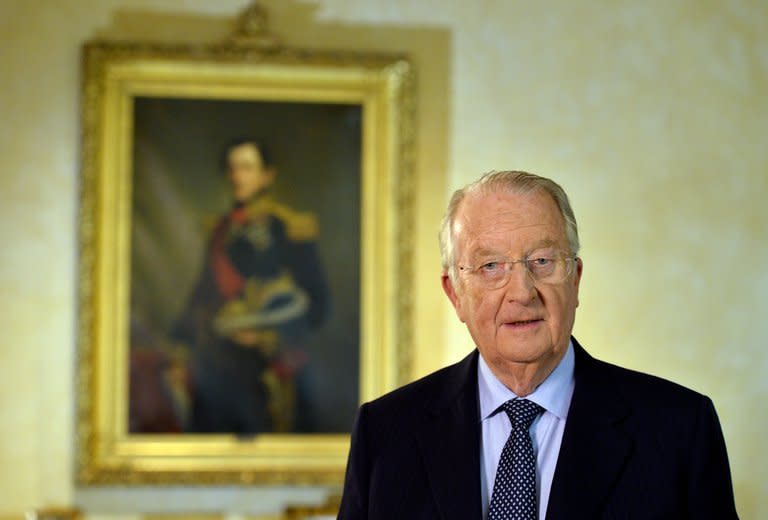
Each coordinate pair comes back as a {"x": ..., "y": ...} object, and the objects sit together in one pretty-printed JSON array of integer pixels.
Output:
[{"x": 549, "y": 268}]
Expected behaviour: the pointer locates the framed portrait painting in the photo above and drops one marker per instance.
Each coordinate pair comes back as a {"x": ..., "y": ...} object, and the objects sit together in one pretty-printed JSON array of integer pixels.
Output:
[{"x": 244, "y": 258}]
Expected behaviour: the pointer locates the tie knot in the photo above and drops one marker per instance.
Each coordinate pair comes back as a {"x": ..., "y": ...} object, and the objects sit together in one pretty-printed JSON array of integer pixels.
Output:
[{"x": 521, "y": 412}]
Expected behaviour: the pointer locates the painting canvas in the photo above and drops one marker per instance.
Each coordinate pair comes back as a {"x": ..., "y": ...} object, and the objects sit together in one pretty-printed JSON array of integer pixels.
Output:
[{"x": 296, "y": 292}]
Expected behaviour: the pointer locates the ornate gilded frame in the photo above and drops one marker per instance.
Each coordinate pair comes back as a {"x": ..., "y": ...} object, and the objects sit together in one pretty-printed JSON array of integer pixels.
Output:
[{"x": 249, "y": 66}]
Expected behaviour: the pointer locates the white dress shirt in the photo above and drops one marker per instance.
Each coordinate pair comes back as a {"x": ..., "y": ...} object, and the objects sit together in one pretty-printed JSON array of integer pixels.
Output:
[{"x": 554, "y": 396}]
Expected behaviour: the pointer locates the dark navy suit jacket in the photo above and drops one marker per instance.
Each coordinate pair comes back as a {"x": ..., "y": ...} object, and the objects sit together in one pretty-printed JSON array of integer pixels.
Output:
[{"x": 634, "y": 446}]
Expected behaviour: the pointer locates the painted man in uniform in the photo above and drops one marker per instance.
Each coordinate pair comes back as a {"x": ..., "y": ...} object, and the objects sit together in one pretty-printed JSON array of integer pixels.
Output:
[{"x": 262, "y": 290}]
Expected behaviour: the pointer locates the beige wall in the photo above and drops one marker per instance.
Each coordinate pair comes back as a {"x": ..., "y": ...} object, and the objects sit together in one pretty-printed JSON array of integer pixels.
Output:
[{"x": 653, "y": 115}]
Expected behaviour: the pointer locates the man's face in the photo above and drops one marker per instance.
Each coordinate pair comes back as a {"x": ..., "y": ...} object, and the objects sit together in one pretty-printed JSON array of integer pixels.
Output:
[
  {"x": 521, "y": 321},
  {"x": 246, "y": 172}
]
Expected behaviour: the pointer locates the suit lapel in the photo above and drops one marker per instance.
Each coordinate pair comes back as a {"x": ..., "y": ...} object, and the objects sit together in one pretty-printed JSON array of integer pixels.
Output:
[
  {"x": 450, "y": 444},
  {"x": 594, "y": 448}
]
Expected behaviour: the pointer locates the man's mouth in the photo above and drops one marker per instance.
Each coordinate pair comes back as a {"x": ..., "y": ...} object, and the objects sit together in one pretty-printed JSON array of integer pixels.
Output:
[{"x": 522, "y": 324}]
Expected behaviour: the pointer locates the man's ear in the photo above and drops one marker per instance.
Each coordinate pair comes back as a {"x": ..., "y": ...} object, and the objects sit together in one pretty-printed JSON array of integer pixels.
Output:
[
  {"x": 577, "y": 277},
  {"x": 450, "y": 291},
  {"x": 270, "y": 173}
]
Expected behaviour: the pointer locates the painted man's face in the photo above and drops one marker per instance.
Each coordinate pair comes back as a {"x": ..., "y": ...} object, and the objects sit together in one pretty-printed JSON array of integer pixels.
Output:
[{"x": 246, "y": 172}]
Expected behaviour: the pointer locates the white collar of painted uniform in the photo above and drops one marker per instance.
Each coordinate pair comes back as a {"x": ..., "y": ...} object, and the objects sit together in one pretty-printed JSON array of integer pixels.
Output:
[{"x": 553, "y": 394}]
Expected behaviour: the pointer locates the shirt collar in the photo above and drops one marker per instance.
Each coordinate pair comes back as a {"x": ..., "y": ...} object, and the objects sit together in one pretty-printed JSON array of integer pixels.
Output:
[{"x": 553, "y": 394}]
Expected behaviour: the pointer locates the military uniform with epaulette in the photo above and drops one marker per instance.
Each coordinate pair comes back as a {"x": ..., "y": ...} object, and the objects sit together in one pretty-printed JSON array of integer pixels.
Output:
[{"x": 261, "y": 292}]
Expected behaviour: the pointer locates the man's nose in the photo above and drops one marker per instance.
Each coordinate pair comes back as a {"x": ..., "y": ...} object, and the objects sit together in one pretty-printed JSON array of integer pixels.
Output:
[{"x": 520, "y": 287}]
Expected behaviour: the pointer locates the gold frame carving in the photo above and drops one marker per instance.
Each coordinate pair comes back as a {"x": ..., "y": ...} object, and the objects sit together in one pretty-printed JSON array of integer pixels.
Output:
[{"x": 251, "y": 65}]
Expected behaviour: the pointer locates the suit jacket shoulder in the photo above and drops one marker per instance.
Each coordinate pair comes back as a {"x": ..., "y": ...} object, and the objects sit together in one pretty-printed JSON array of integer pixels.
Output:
[
  {"x": 431, "y": 392},
  {"x": 415, "y": 451},
  {"x": 636, "y": 445},
  {"x": 645, "y": 391}
]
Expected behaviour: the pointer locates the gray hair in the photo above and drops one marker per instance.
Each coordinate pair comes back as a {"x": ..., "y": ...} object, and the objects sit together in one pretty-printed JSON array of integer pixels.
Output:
[{"x": 509, "y": 181}]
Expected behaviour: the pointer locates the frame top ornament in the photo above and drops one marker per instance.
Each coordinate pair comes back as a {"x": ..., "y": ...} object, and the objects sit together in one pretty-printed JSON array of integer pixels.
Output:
[{"x": 252, "y": 29}]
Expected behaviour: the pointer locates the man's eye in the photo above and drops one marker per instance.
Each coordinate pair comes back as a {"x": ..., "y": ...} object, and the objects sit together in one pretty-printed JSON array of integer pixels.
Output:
[
  {"x": 490, "y": 267},
  {"x": 540, "y": 262}
]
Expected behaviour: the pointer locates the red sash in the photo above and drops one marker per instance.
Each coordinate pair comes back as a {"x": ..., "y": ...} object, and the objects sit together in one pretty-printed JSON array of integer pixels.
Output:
[{"x": 228, "y": 280}]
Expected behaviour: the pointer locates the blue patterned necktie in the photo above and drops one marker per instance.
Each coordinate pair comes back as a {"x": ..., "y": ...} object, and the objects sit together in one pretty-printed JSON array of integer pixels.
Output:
[{"x": 514, "y": 489}]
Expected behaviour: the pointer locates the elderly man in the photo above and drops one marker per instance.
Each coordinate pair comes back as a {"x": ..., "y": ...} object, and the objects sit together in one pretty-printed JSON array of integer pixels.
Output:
[{"x": 530, "y": 426}]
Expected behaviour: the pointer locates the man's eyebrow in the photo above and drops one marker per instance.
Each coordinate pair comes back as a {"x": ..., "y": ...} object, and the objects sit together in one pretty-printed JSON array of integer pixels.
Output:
[
  {"x": 545, "y": 242},
  {"x": 485, "y": 252}
]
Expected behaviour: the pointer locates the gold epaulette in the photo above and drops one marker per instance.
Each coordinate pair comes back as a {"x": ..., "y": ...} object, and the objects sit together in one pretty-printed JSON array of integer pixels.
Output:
[{"x": 299, "y": 226}]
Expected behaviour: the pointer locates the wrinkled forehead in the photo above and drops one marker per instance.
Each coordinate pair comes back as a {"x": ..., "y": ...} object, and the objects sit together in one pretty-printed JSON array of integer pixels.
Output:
[{"x": 507, "y": 223}]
